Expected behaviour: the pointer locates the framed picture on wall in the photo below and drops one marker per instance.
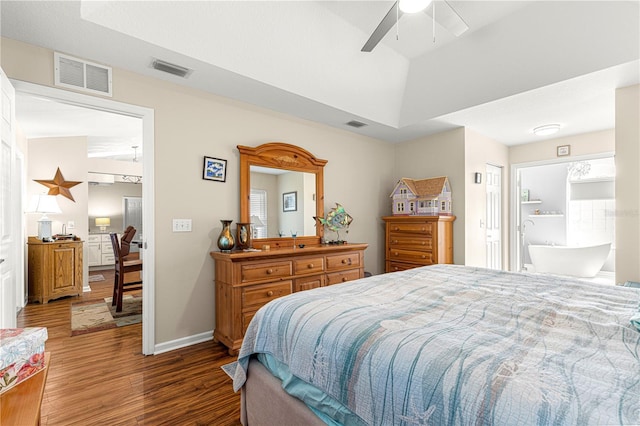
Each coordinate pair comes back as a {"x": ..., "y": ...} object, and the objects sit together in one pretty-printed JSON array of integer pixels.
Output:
[
  {"x": 290, "y": 201},
  {"x": 214, "y": 169},
  {"x": 563, "y": 150}
]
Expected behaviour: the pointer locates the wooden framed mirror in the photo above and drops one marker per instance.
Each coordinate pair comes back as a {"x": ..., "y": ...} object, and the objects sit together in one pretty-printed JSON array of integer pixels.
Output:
[{"x": 285, "y": 184}]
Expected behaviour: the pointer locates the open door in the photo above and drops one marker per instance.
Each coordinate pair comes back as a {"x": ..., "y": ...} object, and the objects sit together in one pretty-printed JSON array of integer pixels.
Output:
[{"x": 11, "y": 259}]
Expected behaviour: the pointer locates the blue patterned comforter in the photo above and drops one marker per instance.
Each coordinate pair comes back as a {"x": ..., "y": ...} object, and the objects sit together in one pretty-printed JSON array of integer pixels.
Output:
[{"x": 448, "y": 344}]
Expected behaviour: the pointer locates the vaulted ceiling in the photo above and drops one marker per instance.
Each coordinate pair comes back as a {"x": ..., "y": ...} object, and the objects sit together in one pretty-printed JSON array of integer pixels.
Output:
[{"x": 521, "y": 64}]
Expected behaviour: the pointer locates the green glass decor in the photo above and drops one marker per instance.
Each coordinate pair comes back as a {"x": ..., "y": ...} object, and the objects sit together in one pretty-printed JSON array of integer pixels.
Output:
[{"x": 336, "y": 220}]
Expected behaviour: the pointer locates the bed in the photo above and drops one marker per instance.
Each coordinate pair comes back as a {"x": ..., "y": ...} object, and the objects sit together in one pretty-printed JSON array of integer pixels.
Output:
[{"x": 444, "y": 344}]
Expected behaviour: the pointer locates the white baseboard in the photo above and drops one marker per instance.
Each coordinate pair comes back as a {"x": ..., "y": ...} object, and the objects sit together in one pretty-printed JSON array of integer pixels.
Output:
[
  {"x": 86, "y": 289},
  {"x": 183, "y": 342}
]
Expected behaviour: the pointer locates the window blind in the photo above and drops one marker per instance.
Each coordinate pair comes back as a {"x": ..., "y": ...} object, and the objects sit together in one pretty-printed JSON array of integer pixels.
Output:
[{"x": 258, "y": 207}]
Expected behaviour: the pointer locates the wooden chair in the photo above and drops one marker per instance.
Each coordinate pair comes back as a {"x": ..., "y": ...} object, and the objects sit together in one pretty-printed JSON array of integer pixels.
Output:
[{"x": 122, "y": 267}]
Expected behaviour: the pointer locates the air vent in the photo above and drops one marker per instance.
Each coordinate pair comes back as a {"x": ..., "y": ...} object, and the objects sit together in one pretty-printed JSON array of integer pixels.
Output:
[
  {"x": 75, "y": 73},
  {"x": 171, "y": 68},
  {"x": 356, "y": 124}
]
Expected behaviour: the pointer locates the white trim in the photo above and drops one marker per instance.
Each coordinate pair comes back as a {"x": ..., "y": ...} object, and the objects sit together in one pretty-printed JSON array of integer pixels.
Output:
[
  {"x": 183, "y": 341},
  {"x": 148, "y": 201}
]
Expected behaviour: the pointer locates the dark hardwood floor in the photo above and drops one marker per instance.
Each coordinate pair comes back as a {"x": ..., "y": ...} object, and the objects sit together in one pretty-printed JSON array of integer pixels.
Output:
[{"x": 102, "y": 378}]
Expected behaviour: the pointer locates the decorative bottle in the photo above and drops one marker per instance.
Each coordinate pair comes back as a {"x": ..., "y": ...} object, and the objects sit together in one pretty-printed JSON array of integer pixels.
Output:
[
  {"x": 225, "y": 240},
  {"x": 244, "y": 235}
]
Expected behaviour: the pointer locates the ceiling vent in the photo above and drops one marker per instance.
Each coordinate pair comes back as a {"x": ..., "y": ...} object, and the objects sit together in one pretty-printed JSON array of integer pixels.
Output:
[
  {"x": 75, "y": 73},
  {"x": 356, "y": 124},
  {"x": 170, "y": 68}
]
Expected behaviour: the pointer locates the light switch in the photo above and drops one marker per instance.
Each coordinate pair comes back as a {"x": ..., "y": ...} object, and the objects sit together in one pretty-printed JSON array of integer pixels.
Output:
[
  {"x": 181, "y": 225},
  {"x": 71, "y": 224}
]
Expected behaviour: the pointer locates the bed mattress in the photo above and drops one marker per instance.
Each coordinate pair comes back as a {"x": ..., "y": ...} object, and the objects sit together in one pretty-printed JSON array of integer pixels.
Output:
[
  {"x": 448, "y": 344},
  {"x": 21, "y": 354}
]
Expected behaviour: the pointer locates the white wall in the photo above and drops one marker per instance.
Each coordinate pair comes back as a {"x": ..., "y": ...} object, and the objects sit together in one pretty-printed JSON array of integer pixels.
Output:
[
  {"x": 45, "y": 156},
  {"x": 106, "y": 201},
  {"x": 628, "y": 184},
  {"x": 190, "y": 124},
  {"x": 442, "y": 154},
  {"x": 480, "y": 151}
]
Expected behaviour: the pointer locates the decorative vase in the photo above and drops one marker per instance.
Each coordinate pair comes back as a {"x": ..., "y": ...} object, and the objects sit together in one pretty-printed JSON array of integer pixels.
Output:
[
  {"x": 225, "y": 240},
  {"x": 244, "y": 235}
]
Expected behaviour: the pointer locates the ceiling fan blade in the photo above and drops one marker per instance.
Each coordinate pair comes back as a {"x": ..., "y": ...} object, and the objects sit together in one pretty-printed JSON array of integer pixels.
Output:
[
  {"x": 383, "y": 28},
  {"x": 447, "y": 17}
]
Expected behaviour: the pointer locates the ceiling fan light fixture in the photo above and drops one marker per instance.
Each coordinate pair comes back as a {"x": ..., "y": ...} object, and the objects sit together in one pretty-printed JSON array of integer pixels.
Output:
[
  {"x": 413, "y": 6},
  {"x": 546, "y": 130}
]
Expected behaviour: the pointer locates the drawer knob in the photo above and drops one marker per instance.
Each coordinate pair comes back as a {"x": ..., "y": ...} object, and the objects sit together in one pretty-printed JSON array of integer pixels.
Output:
[
  {"x": 396, "y": 253},
  {"x": 424, "y": 257},
  {"x": 346, "y": 261},
  {"x": 396, "y": 268},
  {"x": 394, "y": 242},
  {"x": 424, "y": 229},
  {"x": 344, "y": 279},
  {"x": 310, "y": 265},
  {"x": 270, "y": 293},
  {"x": 396, "y": 229},
  {"x": 269, "y": 271},
  {"x": 424, "y": 243}
]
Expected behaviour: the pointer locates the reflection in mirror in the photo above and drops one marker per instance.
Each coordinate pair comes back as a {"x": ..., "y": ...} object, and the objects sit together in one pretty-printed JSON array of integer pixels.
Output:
[
  {"x": 289, "y": 201},
  {"x": 282, "y": 202}
]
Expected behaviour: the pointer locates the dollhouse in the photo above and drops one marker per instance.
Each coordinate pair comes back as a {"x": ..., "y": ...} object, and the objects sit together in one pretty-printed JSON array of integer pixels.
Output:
[{"x": 423, "y": 197}]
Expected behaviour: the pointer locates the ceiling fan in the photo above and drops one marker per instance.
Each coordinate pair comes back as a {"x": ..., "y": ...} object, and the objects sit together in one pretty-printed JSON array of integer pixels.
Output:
[{"x": 444, "y": 15}]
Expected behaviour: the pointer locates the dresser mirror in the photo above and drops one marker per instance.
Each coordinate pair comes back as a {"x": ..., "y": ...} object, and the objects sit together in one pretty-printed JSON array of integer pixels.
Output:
[{"x": 283, "y": 184}]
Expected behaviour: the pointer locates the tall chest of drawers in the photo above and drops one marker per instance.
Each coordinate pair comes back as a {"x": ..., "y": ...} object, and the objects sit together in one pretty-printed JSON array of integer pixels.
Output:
[
  {"x": 412, "y": 241},
  {"x": 245, "y": 281}
]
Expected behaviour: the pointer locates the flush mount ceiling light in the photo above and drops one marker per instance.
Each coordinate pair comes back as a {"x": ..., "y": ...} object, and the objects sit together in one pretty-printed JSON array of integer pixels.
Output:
[
  {"x": 546, "y": 130},
  {"x": 413, "y": 6}
]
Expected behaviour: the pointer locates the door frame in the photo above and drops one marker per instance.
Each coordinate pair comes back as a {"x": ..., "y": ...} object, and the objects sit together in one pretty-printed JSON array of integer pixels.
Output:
[
  {"x": 515, "y": 242},
  {"x": 148, "y": 201}
]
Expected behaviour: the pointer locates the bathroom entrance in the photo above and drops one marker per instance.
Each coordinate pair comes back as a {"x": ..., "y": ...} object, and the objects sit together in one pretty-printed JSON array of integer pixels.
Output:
[{"x": 565, "y": 218}]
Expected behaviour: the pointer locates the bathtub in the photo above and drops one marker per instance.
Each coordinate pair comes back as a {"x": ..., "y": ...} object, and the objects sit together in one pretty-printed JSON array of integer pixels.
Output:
[{"x": 575, "y": 261}]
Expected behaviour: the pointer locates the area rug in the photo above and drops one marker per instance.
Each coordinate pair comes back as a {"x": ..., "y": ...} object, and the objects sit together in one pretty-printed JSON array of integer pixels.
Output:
[
  {"x": 95, "y": 278},
  {"x": 98, "y": 315}
]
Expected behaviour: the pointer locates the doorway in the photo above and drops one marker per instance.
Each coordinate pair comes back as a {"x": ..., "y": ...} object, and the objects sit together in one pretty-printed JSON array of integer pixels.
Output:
[
  {"x": 561, "y": 208},
  {"x": 146, "y": 115}
]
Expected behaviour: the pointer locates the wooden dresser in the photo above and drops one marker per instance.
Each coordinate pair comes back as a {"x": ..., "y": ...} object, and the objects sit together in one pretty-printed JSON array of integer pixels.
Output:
[
  {"x": 55, "y": 269},
  {"x": 245, "y": 281},
  {"x": 412, "y": 241}
]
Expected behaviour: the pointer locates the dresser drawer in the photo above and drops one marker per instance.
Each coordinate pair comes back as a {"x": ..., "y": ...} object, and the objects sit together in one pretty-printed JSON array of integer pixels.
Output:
[
  {"x": 262, "y": 271},
  {"x": 343, "y": 276},
  {"x": 398, "y": 266},
  {"x": 342, "y": 261},
  {"x": 410, "y": 242},
  {"x": 308, "y": 266},
  {"x": 423, "y": 258},
  {"x": 256, "y": 296},
  {"x": 307, "y": 283},
  {"x": 94, "y": 238},
  {"x": 424, "y": 228}
]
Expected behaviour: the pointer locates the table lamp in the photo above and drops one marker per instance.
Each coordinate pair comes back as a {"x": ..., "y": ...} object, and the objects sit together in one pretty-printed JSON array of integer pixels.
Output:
[
  {"x": 44, "y": 204},
  {"x": 103, "y": 223}
]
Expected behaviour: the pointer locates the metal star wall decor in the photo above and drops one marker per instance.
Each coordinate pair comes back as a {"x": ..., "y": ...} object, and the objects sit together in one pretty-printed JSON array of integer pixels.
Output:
[{"x": 59, "y": 186}]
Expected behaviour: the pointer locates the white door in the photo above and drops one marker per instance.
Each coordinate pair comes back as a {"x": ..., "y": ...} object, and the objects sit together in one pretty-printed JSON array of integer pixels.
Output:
[
  {"x": 494, "y": 216},
  {"x": 9, "y": 220}
]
